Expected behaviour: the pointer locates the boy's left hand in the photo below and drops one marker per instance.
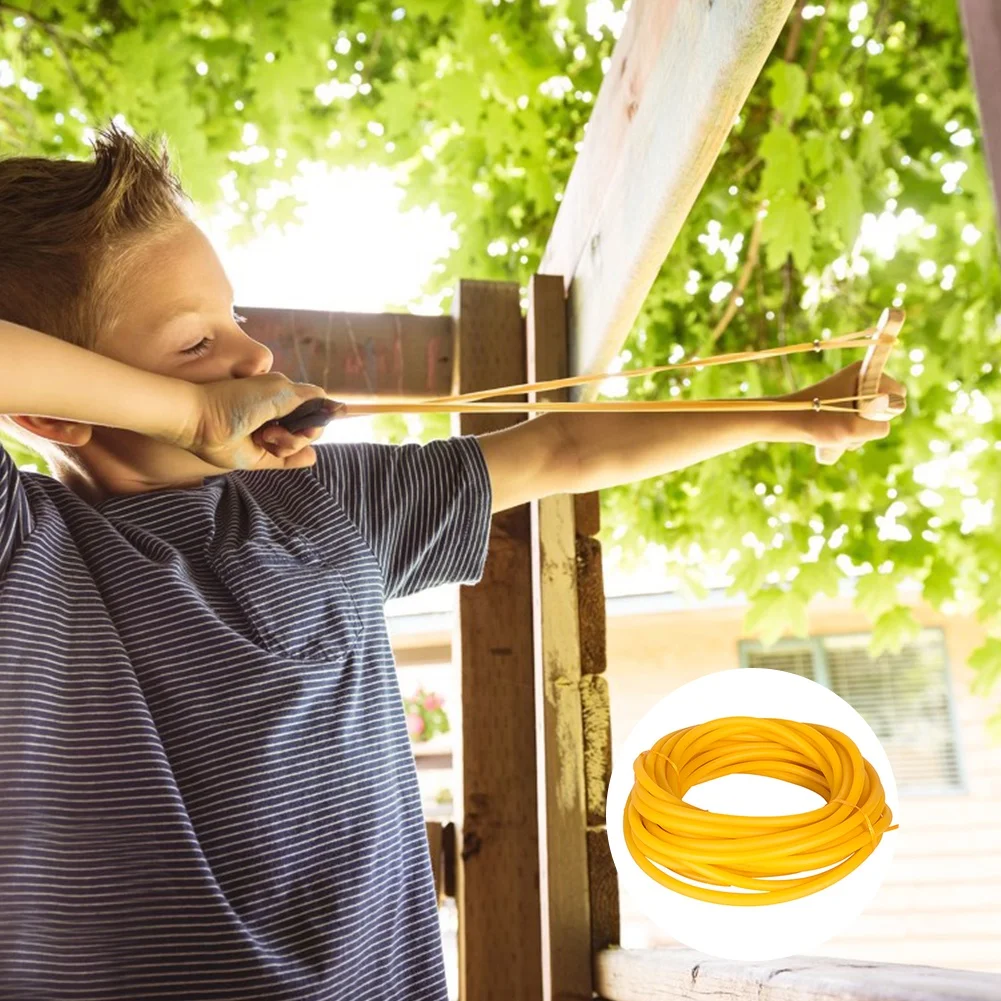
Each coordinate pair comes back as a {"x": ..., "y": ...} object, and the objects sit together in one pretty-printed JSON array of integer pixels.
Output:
[
  {"x": 281, "y": 444},
  {"x": 852, "y": 429}
]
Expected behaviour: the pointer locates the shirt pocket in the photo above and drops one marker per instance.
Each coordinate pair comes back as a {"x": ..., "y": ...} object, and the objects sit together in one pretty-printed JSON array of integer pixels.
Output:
[{"x": 298, "y": 604}]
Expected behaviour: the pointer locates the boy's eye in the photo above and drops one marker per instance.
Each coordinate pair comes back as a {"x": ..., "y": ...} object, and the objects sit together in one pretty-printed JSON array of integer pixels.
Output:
[{"x": 200, "y": 348}]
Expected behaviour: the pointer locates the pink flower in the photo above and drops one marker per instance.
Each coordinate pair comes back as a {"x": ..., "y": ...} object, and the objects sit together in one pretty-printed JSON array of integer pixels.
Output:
[
  {"x": 432, "y": 702},
  {"x": 415, "y": 724}
]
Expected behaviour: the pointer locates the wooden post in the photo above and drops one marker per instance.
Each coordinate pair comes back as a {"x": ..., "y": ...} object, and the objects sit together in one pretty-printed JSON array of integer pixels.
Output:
[
  {"x": 982, "y": 24},
  {"x": 603, "y": 882},
  {"x": 497, "y": 863},
  {"x": 566, "y": 924}
]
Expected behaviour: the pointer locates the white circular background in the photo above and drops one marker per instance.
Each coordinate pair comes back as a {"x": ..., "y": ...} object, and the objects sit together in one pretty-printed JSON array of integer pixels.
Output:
[{"x": 769, "y": 931}]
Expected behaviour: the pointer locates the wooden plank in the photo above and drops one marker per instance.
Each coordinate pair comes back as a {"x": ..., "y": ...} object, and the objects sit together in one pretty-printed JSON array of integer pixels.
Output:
[
  {"x": 591, "y": 606},
  {"x": 352, "y": 355},
  {"x": 604, "y": 887},
  {"x": 566, "y": 918},
  {"x": 587, "y": 508},
  {"x": 433, "y": 762},
  {"x": 448, "y": 856},
  {"x": 679, "y": 75},
  {"x": 670, "y": 974},
  {"x": 603, "y": 880},
  {"x": 497, "y": 863},
  {"x": 422, "y": 656},
  {"x": 597, "y": 719},
  {"x": 434, "y": 835},
  {"x": 982, "y": 25}
]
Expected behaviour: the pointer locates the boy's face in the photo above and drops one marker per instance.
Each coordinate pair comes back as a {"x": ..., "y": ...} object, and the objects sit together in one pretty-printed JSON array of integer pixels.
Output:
[{"x": 176, "y": 318}]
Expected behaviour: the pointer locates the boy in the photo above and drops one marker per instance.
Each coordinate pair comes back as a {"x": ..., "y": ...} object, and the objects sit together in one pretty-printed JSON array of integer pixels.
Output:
[{"x": 208, "y": 788}]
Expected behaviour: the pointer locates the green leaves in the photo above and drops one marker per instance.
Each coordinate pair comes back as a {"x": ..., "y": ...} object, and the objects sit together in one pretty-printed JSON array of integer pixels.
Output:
[
  {"x": 818, "y": 151},
  {"x": 21, "y": 454},
  {"x": 986, "y": 663},
  {"x": 784, "y": 163},
  {"x": 822, "y": 140},
  {"x": 775, "y": 613},
  {"x": 788, "y": 230},
  {"x": 939, "y": 584},
  {"x": 789, "y": 85},
  {"x": 893, "y": 630},
  {"x": 844, "y": 201},
  {"x": 876, "y": 594}
]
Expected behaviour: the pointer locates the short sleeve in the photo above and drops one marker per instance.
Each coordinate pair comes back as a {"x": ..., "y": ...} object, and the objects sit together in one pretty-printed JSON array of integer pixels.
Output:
[
  {"x": 423, "y": 509},
  {"x": 15, "y": 514}
]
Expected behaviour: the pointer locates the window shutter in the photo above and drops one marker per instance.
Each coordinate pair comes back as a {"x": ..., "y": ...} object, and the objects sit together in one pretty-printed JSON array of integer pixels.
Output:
[
  {"x": 903, "y": 696},
  {"x": 795, "y": 660}
]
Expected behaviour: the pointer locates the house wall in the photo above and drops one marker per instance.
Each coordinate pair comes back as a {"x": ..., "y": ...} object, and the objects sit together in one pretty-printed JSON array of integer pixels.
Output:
[{"x": 940, "y": 904}]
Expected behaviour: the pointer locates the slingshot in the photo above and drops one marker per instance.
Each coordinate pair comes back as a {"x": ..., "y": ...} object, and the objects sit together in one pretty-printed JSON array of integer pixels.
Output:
[{"x": 878, "y": 341}]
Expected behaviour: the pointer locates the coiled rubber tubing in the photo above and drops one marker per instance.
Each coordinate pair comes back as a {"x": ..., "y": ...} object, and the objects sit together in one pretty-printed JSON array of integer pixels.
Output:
[{"x": 742, "y": 852}]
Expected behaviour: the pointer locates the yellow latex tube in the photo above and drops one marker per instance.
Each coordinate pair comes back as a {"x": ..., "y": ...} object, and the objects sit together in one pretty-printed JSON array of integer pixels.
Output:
[{"x": 742, "y": 852}]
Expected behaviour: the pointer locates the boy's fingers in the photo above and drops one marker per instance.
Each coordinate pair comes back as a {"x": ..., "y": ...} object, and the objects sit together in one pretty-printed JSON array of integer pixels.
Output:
[
  {"x": 871, "y": 430},
  {"x": 872, "y": 408},
  {"x": 278, "y": 441},
  {"x": 287, "y": 460}
]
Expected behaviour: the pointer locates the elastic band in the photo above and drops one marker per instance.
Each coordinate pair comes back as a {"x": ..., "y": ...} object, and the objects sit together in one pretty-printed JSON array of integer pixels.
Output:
[
  {"x": 871, "y": 339},
  {"x": 858, "y": 339},
  {"x": 668, "y": 760},
  {"x": 872, "y": 831},
  {"x": 717, "y": 858}
]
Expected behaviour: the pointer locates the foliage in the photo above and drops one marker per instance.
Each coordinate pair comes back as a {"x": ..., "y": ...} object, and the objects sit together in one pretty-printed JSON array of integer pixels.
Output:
[
  {"x": 857, "y": 140},
  {"x": 23, "y": 456},
  {"x": 425, "y": 716}
]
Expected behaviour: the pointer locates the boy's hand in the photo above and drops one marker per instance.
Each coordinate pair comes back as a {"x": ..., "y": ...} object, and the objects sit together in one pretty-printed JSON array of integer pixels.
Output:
[
  {"x": 226, "y": 427},
  {"x": 852, "y": 429}
]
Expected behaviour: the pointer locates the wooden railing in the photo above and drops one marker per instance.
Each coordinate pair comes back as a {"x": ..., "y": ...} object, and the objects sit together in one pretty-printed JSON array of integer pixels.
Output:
[
  {"x": 441, "y": 843},
  {"x": 678, "y": 974}
]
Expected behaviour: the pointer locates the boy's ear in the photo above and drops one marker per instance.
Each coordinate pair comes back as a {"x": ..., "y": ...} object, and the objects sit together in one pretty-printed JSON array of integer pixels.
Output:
[{"x": 55, "y": 429}]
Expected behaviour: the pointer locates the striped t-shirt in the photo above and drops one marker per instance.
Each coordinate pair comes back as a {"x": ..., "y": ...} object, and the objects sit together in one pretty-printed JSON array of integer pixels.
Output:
[{"x": 207, "y": 789}]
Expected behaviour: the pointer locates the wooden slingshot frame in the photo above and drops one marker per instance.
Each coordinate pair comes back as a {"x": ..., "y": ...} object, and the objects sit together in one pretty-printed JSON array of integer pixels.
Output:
[
  {"x": 878, "y": 341},
  {"x": 878, "y": 353}
]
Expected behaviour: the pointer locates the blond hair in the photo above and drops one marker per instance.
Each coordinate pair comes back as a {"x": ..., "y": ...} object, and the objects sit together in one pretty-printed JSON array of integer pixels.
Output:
[
  {"x": 66, "y": 225},
  {"x": 68, "y": 229}
]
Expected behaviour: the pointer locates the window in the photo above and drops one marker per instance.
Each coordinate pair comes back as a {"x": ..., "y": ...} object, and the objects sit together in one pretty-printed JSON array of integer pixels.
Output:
[{"x": 905, "y": 697}]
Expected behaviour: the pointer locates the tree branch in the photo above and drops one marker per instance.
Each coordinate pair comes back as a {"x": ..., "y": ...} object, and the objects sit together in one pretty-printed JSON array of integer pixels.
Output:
[
  {"x": 64, "y": 55},
  {"x": 47, "y": 26},
  {"x": 795, "y": 30},
  {"x": 753, "y": 250},
  {"x": 786, "y": 295},
  {"x": 818, "y": 38}
]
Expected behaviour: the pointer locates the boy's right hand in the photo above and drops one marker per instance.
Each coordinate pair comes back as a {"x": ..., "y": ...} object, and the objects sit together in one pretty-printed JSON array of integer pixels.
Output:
[{"x": 225, "y": 428}]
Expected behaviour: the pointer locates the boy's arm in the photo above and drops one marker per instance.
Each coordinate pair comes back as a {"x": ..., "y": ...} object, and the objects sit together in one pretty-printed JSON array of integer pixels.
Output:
[
  {"x": 221, "y": 422},
  {"x": 46, "y": 377},
  {"x": 578, "y": 453}
]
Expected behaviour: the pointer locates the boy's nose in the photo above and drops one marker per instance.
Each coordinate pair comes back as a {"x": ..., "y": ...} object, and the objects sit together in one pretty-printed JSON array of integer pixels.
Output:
[{"x": 255, "y": 359}]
